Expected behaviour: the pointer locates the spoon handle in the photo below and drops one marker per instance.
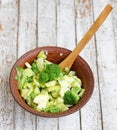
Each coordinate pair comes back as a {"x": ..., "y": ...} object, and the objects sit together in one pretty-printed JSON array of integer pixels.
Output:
[
  {"x": 98, "y": 22},
  {"x": 0, "y": 28}
]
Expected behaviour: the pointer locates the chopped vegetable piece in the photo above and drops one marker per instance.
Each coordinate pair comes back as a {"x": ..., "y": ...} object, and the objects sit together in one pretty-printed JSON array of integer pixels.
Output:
[
  {"x": 41, "y": 55},
  {"x": 45, "y": 87},
  {"x": 52, "y": 109},
  {"x": 53, "y": 71},
  {"x": 43, "y": 77},
  {"x": 71, "y": 97},
  {"x": 35, "y": 68},
  {"x": 29, "y": 79},
  {"x": 28, "y": 65}
]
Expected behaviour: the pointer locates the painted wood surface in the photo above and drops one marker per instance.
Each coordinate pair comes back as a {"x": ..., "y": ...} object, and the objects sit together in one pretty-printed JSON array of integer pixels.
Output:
[
  {"x": 8, "y": 54},
  {"x": 26, "y": 40},
  {"x": 26, "y": 24},
  {"x": 66, "y": 38},
  {"x": 46, "y": 36},
  {"x": 84, "y": 19},
  {"x": 107, "y": 70}
]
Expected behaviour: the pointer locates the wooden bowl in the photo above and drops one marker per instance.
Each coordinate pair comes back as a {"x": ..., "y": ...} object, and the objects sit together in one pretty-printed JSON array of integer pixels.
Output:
[{"x": 55, "y": 55}]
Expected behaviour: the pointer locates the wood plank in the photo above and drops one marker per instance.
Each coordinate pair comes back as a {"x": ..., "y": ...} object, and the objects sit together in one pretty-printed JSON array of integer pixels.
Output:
[
  {"x": 66, "y": 39},
  {"x": 90, "y": 114},
  {"x": 46, "y": 22},
  {"x": 47, "y": 123},
  {"x": 66, "y": 24},
  {"x": 107, "y": 69},
  {"x": 114, "y": 20},
  {"x": 8, "y": 38},
  {"x": 47, "y": 37},
  {"x": 27, "y": 26},
  {"x": 26, "y": 41}
]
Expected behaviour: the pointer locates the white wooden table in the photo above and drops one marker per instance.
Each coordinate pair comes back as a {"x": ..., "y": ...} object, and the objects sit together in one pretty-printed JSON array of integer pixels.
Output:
[{"x": 27, "y": 24}]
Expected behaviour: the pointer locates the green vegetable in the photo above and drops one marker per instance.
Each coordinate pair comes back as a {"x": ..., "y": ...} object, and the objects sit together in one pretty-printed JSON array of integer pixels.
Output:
[
  {"x": 71, "y": 97},
  {"x": 36, "y": 91},
  {"x": 41, "y": 100},
  {"x": 19, "y": 72},
  {"x": 23, "y": 75},
  {"x": 28, "y": 73},
  {"x": 19, "y": 76},
  {"x": 51, "y": 72},
  {"x": 33, "y": 95},
  {"x": 40, "y": 64},
  {"x": 43, "y": 77},
  {"x": 55, "y": 94},
  {"x": 45, "y": 87},
  {"x": 42, "y": 55},
  {"x": 35, "y": 68},
  {"x": 76, "y": 89},
  {"x": 81, "y": 93},
  {"x": 54, "y": 88},
  {"x": 29, "y": 79},
  {"x": 52, "y": 109}
]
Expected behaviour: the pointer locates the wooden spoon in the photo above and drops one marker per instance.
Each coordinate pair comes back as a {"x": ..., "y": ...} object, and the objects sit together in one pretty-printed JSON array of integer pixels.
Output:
[
  {"x": 0, "y": 28},
  {"x": 73, "y": 55}
]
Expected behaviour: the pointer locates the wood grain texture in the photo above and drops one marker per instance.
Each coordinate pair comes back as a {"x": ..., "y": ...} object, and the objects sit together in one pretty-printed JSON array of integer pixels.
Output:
[
  {"x": 26, "y": 41},
  {"x": 66, "y": 24},
  {"x": 25, "y": 24},
  {"x": 8, "y": 40},
  {"x": 90, "y": 114},
  {"x": 114, "y": 21},
  {"x": 66, "y": 38},
  {"x": 46, "y": 37},
  {"x": 107, "y": 70},
  {"x": 87, "y": 36},
  {"x": 46, "y": 22}
]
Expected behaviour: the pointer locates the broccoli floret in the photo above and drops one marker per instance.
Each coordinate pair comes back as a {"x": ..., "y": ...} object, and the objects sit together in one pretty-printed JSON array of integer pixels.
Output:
[
  {"x": 43, "y": 77},
  {"x": 51, "y": 72},
  {"x": 52, "y": 109},
  {"x": 29, "y": 79},
  {"x": 35, "y": 68},
  {"x": 71, "y": 97}
]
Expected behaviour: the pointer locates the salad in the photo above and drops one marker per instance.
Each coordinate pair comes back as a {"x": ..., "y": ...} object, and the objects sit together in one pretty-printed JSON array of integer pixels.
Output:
[{"x": 45, "y": 87}]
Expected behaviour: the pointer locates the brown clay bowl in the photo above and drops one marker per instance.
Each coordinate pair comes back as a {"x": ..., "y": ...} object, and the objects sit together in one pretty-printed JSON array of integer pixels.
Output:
[{"x": 55, "y": 55}]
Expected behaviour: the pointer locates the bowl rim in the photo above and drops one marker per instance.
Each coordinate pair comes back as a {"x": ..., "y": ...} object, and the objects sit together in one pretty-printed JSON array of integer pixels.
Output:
[{"x": 43, "y": 114}]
